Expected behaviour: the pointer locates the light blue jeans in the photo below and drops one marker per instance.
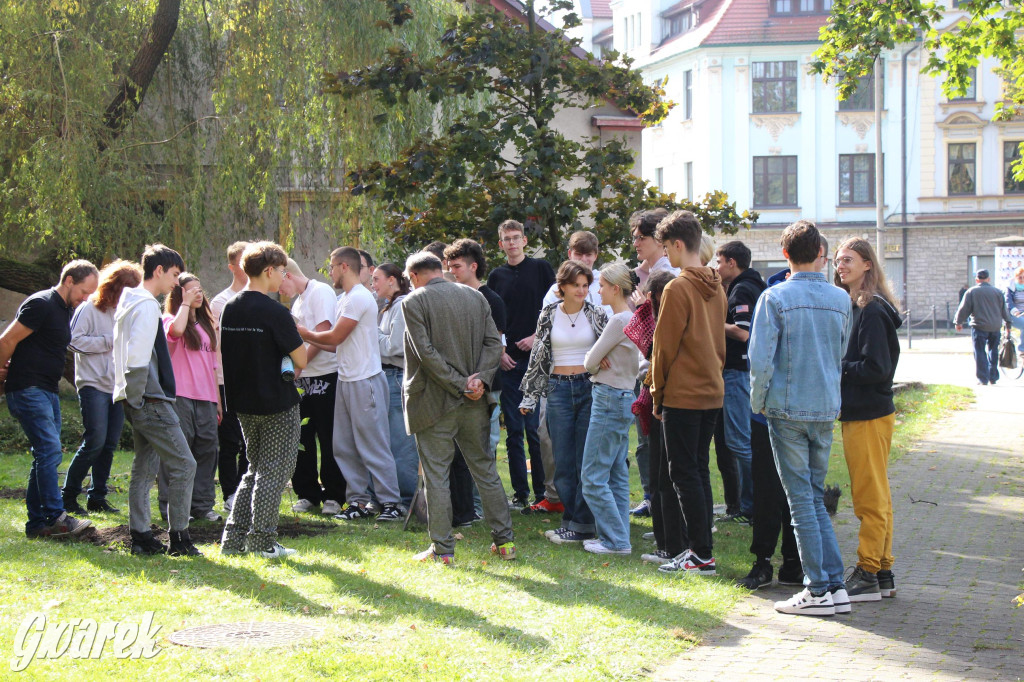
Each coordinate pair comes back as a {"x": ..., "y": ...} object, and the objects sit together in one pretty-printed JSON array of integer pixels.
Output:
[
  {"x": 605, "y": 473},
  {"x": 736, "y": 416},
  {"x": 801, "y": 455},
  {"x": 403, "y": 446},
  {"x": 38, "y": 412}
]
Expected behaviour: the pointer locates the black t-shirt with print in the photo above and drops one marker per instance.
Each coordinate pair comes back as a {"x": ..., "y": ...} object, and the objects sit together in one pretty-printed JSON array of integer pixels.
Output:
[
  {"x": 38, "y": 360},
  {"x": 256, "y": 333}
]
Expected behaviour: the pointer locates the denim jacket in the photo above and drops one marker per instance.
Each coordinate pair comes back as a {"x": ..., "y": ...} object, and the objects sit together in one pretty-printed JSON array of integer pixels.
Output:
[
  {"x": 797, "y": 342},
  {"x": 535, "y": 381}
]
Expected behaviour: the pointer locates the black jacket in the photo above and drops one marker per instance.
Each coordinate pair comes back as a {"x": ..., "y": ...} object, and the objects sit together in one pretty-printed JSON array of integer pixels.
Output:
[
  {"x": 870, "y": 362},
  {"x": 743, "y": 293}
]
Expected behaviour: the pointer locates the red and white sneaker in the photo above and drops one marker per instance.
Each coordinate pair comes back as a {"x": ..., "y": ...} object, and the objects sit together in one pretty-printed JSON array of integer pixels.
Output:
[{"x": 688, "y": 562}]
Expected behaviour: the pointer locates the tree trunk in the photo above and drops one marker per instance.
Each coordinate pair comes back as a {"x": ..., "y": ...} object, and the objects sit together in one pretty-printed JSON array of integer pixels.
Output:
[
  {"x": 132, "y": 89},
  {"x": 25, "y": 278}
]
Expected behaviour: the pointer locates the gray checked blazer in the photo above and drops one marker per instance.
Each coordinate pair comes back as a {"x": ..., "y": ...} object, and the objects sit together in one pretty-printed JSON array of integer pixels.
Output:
[{"x": 449, "y": 335}]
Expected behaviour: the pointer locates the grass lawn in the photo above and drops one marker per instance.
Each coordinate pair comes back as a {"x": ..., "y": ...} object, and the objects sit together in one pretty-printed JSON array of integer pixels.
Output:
[{"x": 557, "y": 612}]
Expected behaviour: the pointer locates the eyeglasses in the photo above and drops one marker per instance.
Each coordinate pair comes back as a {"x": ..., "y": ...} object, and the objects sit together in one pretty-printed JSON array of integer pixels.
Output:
[
  {"x": 333, "y": 265},
  {"x": 512, "y": 239},
  {"x": 639, "y": 238},
  {"x": 845, "y": 260}
]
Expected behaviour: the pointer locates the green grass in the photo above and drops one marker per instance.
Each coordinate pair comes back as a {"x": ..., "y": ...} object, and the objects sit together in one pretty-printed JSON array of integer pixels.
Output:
[{"x": 556, "y": 612}]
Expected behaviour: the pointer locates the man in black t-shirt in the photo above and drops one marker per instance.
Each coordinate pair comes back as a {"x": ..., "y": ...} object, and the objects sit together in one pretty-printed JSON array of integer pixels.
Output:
[
  {"x": 32, "y": 353},
  {"x": 522, "y": 283}
]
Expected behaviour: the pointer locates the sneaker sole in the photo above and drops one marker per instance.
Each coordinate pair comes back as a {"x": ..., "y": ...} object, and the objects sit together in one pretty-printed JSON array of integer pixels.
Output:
[
  {"x": 865, "y": 597},
  {"x": 791, "y": 583},
  {"x": 888, "y": 594},
  {"x": 815, "y": 611},
  {"x": 843, "y": 608},
  {"x": 78, "y": 530},
  {"x": 754, "y": 587},
  {"x": 620, "y": 552},
  {"x": 657, "y": 560}
]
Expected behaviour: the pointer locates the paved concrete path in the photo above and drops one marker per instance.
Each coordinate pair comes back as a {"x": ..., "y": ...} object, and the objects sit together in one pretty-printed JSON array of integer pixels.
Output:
[{"x": 958, "y": 568}]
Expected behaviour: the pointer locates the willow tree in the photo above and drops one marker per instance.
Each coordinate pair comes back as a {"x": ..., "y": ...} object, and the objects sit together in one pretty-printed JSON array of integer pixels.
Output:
[
  {"x": 127, "y": 122},
  {"x": 503, "y": 155}
]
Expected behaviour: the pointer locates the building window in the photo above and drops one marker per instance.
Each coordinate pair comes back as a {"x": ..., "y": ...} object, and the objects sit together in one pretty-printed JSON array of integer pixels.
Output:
[
  {"x": 659, "y": 179},
  {"x": 688, "y": 94},
  {"x": 863, "y": 98},
  {"x": 801, "y": 6},
  {"x": 689, "y": 179},
  {"x": 677, "y": 24},
  {"x": 1011, "y": 154},
  {"x": 972, "y": 88},
  {"x": 637, "y": 25},
  {"x": 856, "y": 179},
  {"x": 773, "y": 87},
  {"x": 962, "y": 168},
  {"x": 774, "y": 181}
]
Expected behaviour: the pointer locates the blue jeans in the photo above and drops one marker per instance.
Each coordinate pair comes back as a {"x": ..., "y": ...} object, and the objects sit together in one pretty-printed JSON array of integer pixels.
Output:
[
  {"x": 403, "y": 446},
  {"x": 568, "y": 414},
  {"x": 515, "y": 424},
  {"x": 605, "y": 473},
  {"x": 103, "y": 421},
  {"x": 38, "y": 412},
  {"x": 986, "y": 362},
  {"x": 801, "y": 455},
  {"x": 1018, "y": 322},
  {"x": 736, "y": 418}
]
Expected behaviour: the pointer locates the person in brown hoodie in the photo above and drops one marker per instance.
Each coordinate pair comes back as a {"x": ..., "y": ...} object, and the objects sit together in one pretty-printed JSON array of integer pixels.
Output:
[{"x": 686, "y": 368}]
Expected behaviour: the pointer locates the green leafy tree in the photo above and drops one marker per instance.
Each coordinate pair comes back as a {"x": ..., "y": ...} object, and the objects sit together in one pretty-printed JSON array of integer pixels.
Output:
[{"x": 503, "y": 155}]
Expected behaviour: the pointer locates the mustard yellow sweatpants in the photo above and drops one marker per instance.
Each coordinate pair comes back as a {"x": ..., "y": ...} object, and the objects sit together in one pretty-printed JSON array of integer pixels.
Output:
[{"x": 867, "y": 456}]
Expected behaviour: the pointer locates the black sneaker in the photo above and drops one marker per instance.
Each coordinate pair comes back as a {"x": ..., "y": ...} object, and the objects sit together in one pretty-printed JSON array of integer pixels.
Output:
[
  {"x": 66, "y": 526},
  {"x": 101, "y": 505},
  {"x": 739, "y": 517},
  {"x": 146, "y": 544},
  {"x": 390, "y": 512},
  {"x": 354, "y": 512},
  {"x": 570, "y": 536},
  {"x": 519, "y": 502},
  {"x": 862, "y": 586},
  {"x": 791, "y": 574},
  {"x": 71, "y": 505},
  {"x": 886, "y": 584},
  {"x": 760, "y": 576},
  {"x": 181, "y": 544}
]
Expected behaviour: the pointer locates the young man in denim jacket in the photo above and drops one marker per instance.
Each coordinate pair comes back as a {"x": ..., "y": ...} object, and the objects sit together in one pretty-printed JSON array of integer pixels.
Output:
[{"x": 797, "y": 342}]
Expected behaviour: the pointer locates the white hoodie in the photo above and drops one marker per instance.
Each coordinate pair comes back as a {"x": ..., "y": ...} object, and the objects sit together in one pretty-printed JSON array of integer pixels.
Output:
[{"x": 136, "y": 364}]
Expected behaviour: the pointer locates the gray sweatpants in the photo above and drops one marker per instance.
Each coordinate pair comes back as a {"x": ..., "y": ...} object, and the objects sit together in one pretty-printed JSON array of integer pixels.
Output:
[
  {"x": 198, "y": 421},
  {"x": 271, "y": 446},
  {"x": 159, "y": 440},
  {"x": 469, "y": 426},
  {"x": 362, "y": 442},
  {"x": 547, "y": 456}
]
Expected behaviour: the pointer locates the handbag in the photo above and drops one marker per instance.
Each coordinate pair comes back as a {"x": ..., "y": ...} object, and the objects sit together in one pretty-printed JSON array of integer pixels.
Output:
[
  {"x": 1007, "y": 352},
  {"x": 640, "y": 328}
]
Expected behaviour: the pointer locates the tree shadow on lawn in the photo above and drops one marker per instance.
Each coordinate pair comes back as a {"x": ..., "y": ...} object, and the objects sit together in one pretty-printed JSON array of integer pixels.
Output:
[{"x": 399, "y": 602}]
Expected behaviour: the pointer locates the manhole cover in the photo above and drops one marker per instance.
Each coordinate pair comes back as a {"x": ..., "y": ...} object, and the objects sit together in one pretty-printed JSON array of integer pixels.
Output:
[{"x": 244, "y": 634}]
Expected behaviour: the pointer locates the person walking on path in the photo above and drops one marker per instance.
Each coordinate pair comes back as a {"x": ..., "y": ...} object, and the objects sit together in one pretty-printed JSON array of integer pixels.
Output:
[
  {"x": 452, "y": 351},
  {"x": 613, "y": 363},
  {"x": 144, "y": 381},
  {"x": 33, "y": 349},
  {"x": 258, "y": 334},
  {"x": 868, "y": 414},
  {"x": 687, "y": 388},
  {"x": 985, "y": 306},
  {"x": 798, "y": 337},
  {"x": 92, "y": 340}
]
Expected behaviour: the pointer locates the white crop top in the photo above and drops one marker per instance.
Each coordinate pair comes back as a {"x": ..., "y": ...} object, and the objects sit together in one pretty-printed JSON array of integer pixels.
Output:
[{"x": 569, "y": 344}]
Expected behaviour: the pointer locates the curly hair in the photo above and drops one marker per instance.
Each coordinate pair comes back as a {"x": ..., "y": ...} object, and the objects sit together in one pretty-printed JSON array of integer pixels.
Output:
[{"x": 113, "y": 280}]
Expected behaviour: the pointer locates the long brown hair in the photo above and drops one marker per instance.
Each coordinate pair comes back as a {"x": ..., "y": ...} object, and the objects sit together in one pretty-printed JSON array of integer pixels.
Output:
[
  {"x": 113, "y": 280},
  {"x": 392, "y": 270},
  {"x": 874, "y": 282},
  {"x": 201, "y": 316}
]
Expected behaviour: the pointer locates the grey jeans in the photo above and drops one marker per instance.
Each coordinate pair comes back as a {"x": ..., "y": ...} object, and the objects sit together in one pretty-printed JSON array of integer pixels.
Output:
[
  {"x": 271, "y": 446},
  {"x": 547, "y": 456},
  {"x": 362, "y": 441},
  {"x": 469, "y": 426},
  {"x": 198, "y": 421},
  {"x": 159, "y": 440}
]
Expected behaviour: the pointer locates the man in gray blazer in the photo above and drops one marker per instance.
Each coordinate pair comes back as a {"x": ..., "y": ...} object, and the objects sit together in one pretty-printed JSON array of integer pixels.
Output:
[{"x": 452, "y": 350}]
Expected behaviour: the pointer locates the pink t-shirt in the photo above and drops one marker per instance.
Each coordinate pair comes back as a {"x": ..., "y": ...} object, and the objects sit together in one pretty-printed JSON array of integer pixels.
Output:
[{"x": 195, "y": 371}]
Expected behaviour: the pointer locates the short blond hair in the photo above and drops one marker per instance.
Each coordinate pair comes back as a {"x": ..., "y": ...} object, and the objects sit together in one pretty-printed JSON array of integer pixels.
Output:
[
  {"x": 707, "y": 248},
  {"x": 292, "y": 268}
]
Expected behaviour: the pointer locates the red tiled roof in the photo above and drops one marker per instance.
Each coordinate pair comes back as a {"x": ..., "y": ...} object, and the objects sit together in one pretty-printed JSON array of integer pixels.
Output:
[
  {"x": 751, "y": 22},
  {"x": 601, "y": 9}
]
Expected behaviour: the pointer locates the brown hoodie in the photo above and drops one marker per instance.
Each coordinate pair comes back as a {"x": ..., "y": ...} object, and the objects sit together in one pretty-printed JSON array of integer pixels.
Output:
[{"x": 689, "y": 342}]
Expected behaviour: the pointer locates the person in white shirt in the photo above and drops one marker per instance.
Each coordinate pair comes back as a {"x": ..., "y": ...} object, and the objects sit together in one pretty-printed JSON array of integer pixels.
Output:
[
  {"x": 313, "y": 306},
  {"x": 361, "y": 438},
  {"x": 231, "y": 460}
]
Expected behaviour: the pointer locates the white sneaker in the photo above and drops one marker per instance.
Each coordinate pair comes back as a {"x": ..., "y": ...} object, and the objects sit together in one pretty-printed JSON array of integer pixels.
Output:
[
  {"x": 658, "y": 557},
  {"x": 277, "y": 552},
  {"x": 598, "y": 547},
  {"x": 803, "y": 603},
  {"x": 211, "y": 516},
  {"x": 303, "y": 506},
  {"x": 841, "y": 600},
  {"x": 330, "y": 508},
  {"x": 229, "y": 503},
  {"x": 648, "y": 536}
]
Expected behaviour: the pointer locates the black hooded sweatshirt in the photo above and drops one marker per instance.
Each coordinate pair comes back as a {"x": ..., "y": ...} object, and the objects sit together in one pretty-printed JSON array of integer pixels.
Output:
[{"x": 870, "y": 362}]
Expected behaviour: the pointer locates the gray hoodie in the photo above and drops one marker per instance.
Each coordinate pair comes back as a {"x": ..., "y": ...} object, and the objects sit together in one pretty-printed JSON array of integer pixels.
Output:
[
  {"x": 142, "y": 364},
  {"x": 92, "y": 338}
]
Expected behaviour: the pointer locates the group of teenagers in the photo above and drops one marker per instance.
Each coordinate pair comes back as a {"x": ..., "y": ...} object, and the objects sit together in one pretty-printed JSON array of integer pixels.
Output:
[{"x": 357, "y": 396}]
